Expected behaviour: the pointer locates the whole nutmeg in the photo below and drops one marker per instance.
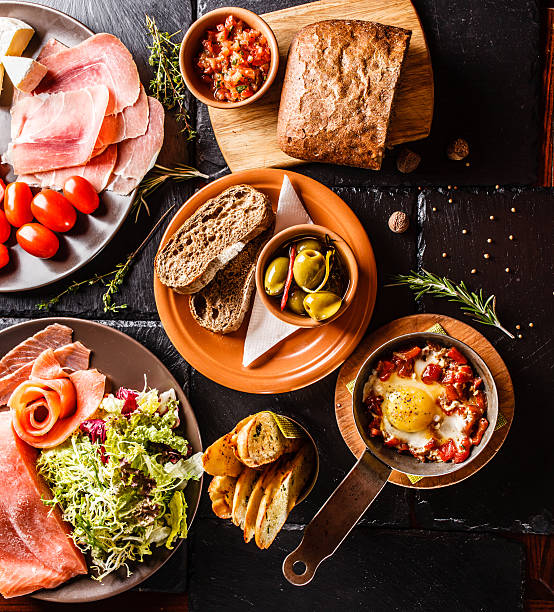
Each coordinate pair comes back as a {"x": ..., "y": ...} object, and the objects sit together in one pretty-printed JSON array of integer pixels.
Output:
[
  {"x": 457, "y": 150},
  {"x": 407, "y": 160},
  {"x": 399, "y": 222}
]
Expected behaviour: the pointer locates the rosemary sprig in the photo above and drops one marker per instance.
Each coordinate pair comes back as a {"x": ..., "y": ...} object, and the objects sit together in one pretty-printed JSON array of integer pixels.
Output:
[
  {"x": 168, "y": 85},
  {"x": 111, "y": 280},
  {"x": 473, "y": 304},
  {"x": 156, "y": 178}
]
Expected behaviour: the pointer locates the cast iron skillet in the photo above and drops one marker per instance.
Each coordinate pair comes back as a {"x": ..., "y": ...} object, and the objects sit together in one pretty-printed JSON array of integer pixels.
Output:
[{"x": 356, "y": 492}]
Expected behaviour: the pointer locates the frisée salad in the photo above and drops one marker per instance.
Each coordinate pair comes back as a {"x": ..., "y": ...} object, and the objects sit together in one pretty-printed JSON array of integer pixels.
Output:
[{"x": 119, "y": 478}]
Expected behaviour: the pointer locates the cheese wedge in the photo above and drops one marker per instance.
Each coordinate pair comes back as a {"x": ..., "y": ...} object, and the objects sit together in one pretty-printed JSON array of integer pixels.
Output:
[
  {"x": 14, "y": 36},
  {"x": 24, "y": 72}
]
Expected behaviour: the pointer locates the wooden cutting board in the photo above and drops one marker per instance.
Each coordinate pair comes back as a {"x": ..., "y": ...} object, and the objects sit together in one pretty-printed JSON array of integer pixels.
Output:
[{"x": 247, "y": 136}]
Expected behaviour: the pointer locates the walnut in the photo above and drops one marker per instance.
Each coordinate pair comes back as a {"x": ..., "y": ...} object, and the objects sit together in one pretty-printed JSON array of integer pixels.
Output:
[
  {"x": 407, "y": 161},
  {"x": 399, "y": 222},
  {"x": 457, "y": 150}
]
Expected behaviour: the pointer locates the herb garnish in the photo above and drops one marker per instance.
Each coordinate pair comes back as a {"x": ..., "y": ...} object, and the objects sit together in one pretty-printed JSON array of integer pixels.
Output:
[
  {"x": 156, "y": 178},
  {"x": 474, "y": 305},
  {"x": 112, "y": 280},
  {"x": 167, "y": 85}
]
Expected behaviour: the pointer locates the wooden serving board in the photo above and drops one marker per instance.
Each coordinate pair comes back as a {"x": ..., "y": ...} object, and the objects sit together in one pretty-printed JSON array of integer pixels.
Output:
[
  {"x": 247, "y": 136},
  {"x": 407, "y": 325}
]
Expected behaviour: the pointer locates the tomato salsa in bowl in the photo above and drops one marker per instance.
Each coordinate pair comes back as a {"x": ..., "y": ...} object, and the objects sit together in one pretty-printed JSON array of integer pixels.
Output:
[{"x": 229, "y": 58}]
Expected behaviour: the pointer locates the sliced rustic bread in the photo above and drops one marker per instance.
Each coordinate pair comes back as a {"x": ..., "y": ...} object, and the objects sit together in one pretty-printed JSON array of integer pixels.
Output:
[
  {"x": 243, "y": 490},
  {"x": 222, "y": 304},
  {"x": 222, "y": 492},
  {"x": 266, "y": 477},
  {"x": 211, "y": 237},
  {"x": 219, "y": 459},
  {"x": 281, "y": 495},
  {"x": 261, "y": 441}
]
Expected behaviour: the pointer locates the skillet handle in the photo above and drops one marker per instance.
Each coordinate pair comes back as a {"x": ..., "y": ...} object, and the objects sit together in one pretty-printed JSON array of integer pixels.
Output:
[{"x": 337, "y": 517}]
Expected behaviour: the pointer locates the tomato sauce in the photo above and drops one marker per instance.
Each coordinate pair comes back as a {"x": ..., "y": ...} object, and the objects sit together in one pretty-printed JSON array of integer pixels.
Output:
[{"x": 234, "y": 59}]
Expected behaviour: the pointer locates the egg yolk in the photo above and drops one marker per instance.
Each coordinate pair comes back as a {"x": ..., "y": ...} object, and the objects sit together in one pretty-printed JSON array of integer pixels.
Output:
[{"x": 409, "y": 409}]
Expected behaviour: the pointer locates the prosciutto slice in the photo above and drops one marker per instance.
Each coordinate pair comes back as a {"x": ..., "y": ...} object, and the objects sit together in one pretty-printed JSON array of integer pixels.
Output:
[
  {"x": 57, "y": 130},
  {"x": 101, "y": 59},
  {"x": 136, "y": 156},
  {"x": 35, "y": 548},
  {"x": 130, "y": 123},
  {"x": 97, "y": 171}
]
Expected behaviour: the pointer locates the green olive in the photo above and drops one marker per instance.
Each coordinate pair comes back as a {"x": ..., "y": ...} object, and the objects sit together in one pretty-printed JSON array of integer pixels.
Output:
[
  {"x": 322, "y": 305},
  {"x": 308, "y": 243},
  {"x": 309, "y": 269},
  {"x": 296, "y": 301},
  {"x": 276, "y": 276}
]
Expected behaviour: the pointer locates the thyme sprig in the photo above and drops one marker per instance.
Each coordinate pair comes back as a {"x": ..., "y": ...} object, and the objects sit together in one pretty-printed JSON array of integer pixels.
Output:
[
  {"x": 480, "y": 309},
  {"x": 156, "y": 178},
  {"x": 111, "y": 280},
  {"x": 167, "y": 85}
]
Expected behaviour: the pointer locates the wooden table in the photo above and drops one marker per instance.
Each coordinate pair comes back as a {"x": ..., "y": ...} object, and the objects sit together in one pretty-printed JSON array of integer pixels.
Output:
[{"x": 485, "y": 544}]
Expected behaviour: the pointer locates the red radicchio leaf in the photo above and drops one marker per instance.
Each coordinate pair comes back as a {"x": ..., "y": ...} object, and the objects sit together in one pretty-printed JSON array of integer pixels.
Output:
[
  {"x": 130, "y": 399},
  {"x": 96, "y": 430}
]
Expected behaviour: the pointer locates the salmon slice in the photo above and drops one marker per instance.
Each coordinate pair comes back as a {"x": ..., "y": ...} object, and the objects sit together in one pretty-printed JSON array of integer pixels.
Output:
[
  {"x": 56, "y": 130},
  {"x": 53, "y": 336},
  {"x": 97, "y": 171},
  {"x": 101, "y": 59},
  {"x": 74, "y": 356},
  {"x": 36, "y": 550},
  {"x": 47, "y": 366},
  {"x": 39, "y": 405},
  {"x": 136, "y": 156},
  {"x": 47, "y": 412}
]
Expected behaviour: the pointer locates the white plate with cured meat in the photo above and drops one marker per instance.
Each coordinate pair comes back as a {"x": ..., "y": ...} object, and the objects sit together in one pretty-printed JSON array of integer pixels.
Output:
[
  {"x": 36, "y": 549},
  {"x": 88, "y": 116}
]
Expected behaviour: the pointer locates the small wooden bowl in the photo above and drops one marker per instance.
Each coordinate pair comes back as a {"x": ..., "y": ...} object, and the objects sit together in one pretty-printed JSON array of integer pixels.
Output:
[
  {"x": 191, "y": 46},
  {"x": 296, "y": 232}
]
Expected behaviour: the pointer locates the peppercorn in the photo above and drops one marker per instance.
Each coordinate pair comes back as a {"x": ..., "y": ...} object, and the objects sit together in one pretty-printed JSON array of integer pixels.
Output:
[
  {"x": 457, "y": 150},
  {"x": 399, "y": 222}
]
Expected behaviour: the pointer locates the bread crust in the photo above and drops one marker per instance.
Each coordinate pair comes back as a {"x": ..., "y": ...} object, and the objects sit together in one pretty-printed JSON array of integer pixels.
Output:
[
  {"x": 338, "y": 91},
  {"x": 209, "y": 239}
]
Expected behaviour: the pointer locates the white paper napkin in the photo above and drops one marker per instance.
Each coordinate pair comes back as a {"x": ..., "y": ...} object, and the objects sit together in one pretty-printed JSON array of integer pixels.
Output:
[{"x": 264, "y": 329}]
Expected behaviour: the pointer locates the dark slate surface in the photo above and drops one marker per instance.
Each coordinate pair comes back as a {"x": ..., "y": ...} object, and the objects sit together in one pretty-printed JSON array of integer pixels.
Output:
[
  {"x": 410, "y": 544},
  {"x": 379, "y": 571}
]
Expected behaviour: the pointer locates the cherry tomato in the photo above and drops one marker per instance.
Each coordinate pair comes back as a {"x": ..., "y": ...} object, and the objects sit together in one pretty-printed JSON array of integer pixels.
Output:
[
  {"x": 4, "y": 255},
  {"x": 37, "y": 240},
  {"x": 81, "y": 194},
  {"x": 53, "y": 210},
  {"x": 5, "y": 227},
  {"x": 17, "y": 204},
  {"x": 2, "y": 189}
]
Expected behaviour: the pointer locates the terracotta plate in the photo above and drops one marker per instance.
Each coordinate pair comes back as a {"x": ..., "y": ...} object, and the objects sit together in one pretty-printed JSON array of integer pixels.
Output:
[
  {"x": 125, "y": 362},
  {"x": 307, "y": 355},
  {"x": 92, "y": 232}
]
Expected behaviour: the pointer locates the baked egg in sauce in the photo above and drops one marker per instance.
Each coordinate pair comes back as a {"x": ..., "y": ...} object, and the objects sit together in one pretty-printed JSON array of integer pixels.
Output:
[{"x": 416, "y": 413}]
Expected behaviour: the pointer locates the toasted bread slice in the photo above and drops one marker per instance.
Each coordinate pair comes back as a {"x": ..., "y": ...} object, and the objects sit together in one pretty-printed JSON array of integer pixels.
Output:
[
  {"x": 219, "y": 459},
  {"x": 243, "y": 491},
  {"x": 262, "y": 442},
  {"x": 222, "y": 304},
  {"x": 264, "y": 480},
  {"x": 222, "y": 492},
  {"x": 281, "y": 495},
  {"x": 210, "y": 238}
]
